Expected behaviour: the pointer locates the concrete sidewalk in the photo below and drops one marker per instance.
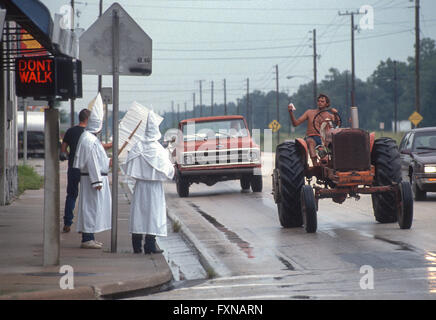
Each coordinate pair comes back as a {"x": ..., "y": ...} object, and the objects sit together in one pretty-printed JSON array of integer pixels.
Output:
[{"x": 98, "y": 274}]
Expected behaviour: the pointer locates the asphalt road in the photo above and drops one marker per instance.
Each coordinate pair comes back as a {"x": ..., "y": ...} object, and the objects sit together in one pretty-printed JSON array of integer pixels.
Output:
[{"x": 351, "y": 256}]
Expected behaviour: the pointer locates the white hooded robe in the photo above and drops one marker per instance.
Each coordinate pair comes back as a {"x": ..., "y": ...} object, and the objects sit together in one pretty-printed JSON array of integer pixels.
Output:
[
  {"x": 95, "y": 206},
  {"x": 148, "y": 163}
]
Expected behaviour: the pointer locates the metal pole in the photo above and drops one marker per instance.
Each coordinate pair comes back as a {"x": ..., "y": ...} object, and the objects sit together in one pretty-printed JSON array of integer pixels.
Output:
[
  {"x": 116, "y": 91},
  {"x": 100, "y": 78},
  {"x": 314, "y": 69},
  {"x": 72, "y": 100},
  {"x": 417, "y": 58},
  {"x": 173, "y": 117},
  {"x": 211, "y": 98},
  {"x": 3, "y": 126},
  {"x": 248, "y": 105},
  {"x": 277, "y": 98},
  {"x": 24, "y": 132},
  {"x": 201, "y": 101},
  {"x": 353, "y": 75},
  {"x": 51, "y": 234},
  {"x": 193, "y": 104},
  {"x": 395, "y": 97},
  {"x": 186, "y": 111},
  {"x": 225, "y": 98}
]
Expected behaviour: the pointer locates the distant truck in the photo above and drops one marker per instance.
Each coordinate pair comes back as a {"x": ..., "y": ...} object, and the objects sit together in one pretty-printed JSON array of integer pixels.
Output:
[
  {"x": 35, "y": 133},
  {"x": 212, "y": 149}
]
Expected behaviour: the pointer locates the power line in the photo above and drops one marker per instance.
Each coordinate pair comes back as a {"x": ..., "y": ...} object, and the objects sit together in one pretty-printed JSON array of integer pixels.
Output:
[{"x": 230, "y": 58}]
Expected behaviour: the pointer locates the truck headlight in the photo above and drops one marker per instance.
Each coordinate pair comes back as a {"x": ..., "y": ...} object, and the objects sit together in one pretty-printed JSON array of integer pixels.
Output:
[
  {"x": 253, "y": 155},
  {"x": 430, "y": 169},
  {"x": 188, "y": 159}
]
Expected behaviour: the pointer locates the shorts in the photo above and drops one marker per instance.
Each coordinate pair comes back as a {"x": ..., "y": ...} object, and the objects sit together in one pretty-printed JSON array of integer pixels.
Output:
[{"x": 317, "y": 139}]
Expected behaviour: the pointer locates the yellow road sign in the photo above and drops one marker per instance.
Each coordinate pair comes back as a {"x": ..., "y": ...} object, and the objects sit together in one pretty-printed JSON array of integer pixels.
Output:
[
  {"x": 274, "y": 126},
  {"x": 415, "y": 118}
]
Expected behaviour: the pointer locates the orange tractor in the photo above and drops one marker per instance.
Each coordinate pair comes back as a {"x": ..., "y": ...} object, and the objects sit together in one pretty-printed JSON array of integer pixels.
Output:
[{"x": 350, "y": 162}]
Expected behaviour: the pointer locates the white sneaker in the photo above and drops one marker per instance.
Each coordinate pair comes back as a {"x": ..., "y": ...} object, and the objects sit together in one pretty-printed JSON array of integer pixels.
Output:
[
  {"x": 90, "y": 245},
  {"x": 99, "y": 243}
]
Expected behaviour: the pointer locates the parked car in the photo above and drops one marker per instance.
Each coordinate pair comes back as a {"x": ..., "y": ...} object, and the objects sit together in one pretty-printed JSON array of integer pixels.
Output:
[
  {"x": 418, "y": 160},
  {"x": 35, "y": 133},
  {"x": 212, "y": 149}
]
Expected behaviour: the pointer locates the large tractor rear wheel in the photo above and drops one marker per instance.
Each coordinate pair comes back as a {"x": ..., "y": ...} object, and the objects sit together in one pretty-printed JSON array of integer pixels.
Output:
[
  {"x": 288, "y": 179},
  {"x": 386, "y": 159}
]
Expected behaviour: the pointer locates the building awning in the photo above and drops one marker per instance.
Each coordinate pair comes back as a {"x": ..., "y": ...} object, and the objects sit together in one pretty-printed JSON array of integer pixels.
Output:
[{"x": 34, "y": 17}]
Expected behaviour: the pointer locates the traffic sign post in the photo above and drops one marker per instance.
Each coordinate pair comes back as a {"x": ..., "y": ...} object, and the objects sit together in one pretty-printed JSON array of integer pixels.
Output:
[
  {"x": 274, "y": 126},
  {"x": 115, "y": 45},
  {"x": 415, "y": 118}
]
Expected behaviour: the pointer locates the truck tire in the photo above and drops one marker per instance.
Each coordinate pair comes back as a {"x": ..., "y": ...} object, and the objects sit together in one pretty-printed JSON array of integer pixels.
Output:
[
  {"x": 245, "y": 182},
  {"x": 256, "y": 183},
  {"x": 182, "y": 187},
  {"x": 308, "y": 209},
  {"x": 290, "y": 167},
  {"x": 386, "y": 159},
  {"x": 419, "y": 195},
  {"x": 405, "y": 212}
]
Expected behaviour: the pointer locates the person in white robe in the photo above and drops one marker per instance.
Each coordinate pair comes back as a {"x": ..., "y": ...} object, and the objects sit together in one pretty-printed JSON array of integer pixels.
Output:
[
  {"x": 94, "y": 209},
  {"x": 148, "y": 163}
]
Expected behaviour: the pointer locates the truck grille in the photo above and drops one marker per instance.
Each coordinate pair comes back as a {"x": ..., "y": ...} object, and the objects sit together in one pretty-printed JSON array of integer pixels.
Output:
[{"x": 220, "y": 157}]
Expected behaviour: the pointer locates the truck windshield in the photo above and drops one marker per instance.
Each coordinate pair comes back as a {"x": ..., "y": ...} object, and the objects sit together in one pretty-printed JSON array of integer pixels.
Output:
[
  {"x": 233, "y": 128},
  {"x": 424, "y": 140}
]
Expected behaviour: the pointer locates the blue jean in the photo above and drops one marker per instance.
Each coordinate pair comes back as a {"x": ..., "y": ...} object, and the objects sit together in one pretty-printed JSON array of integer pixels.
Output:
[
  {"x": 87, "y": 237},
  {"x": 317, "y": 139},
  {"x": 72, "y": 193}
]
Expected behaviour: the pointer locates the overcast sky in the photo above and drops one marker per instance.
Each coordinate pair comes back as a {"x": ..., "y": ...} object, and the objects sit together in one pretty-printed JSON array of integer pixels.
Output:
[{"x": 239, "y": 39}]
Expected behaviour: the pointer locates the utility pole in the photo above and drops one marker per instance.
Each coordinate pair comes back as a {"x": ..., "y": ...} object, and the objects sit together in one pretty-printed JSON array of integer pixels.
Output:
[
  {"x": 353, "y": 74},
  {"x": 72, "y": 100},
  {"x": 395, "y": 97},
  {"x": 225, "y": 98},
  {"x": 99, "y": 76},
  {"x": 201, "y": 98},
  {"x": 193, "y": 104},
  {"x": 211, "y": 98},
  {"x": 178, "y": 112},
  {"x": 417, "y": 59},
  {"x": 277, "y": 98},
  {"x": 315, "y": 56},
  {"x": 248, "y": 105},
  {"x": 172, "y": 113},
  {"x": 186, "y": 111}
]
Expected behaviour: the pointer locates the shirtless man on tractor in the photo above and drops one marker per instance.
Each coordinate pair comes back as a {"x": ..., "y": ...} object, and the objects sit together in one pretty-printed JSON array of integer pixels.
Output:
[{"x": 313, "y": 138}]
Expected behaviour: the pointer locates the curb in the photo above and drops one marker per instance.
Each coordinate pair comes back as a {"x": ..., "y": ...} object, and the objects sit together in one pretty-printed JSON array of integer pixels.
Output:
[
  {"x": 96, "y": 292},
  {"x": 207, "y": 261},
  {"x": 81, "y": 293}
]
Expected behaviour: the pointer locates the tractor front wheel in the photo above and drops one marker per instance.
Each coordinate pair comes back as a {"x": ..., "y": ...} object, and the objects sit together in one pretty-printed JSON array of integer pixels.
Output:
[
  {"x": 308, "y": 209},
  {"x": 405, "y": 209}
]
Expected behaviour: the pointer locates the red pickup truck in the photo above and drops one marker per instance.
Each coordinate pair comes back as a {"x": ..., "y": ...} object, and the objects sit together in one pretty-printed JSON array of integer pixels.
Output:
[{"x": 212, "y": 149}]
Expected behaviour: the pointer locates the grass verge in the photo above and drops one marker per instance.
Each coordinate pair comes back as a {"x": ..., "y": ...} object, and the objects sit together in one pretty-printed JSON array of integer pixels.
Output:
[{"x": 28, "y": 179}]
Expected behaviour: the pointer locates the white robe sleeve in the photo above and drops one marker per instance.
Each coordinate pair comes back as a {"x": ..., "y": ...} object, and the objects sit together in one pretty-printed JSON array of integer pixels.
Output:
[{"x": 94, "y": 169}]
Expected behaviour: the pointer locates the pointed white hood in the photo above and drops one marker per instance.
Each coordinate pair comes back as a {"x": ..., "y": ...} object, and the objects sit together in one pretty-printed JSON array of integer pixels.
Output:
[
  {"x": 95, "y": 121},
  {"x": 152, "y": 132},
  {"x": 149, "y": 150}
]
